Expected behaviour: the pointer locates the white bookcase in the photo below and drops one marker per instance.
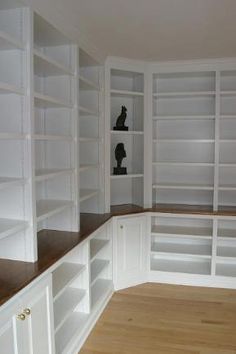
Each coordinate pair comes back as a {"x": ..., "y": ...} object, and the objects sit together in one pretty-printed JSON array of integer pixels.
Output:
[
  {"x": 16, "y": 184},
  {"x": 55, "y": 121},
  {"x": 125, "y": 86},
  {"x": 91, "y": 132}
]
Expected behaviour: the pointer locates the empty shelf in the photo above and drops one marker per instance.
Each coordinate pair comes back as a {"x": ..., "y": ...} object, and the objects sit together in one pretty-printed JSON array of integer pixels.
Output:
[
  {"x": 47, "y": 208},
  {"x": 97, "y": 266},
  {"x": 181, "y": 231},
  {"x": 85, "y": 111},
  {"x": 100, "y": 289},
  {"x": 6, "y": 89},
  {"x": 183, "y": 186},
  {"x": 63, "y": 276},
  {"x": 43, "y": 174},
  {"x": 66, "y": 304},
  {"x": 126, "y": 93},
  {"x": 96, "y": 245},
  {"x": 87, "y": 194},
  {"x": 200, "y": 250},
  {"x": 9, "y": 227},
  {"x": 46, "y": 101},
  {"x": 227, "y": 251},
  {"x": 45, "y": 66},
  {"x": 129, "y": 175},
  {"x": 85, "y": 84},
  {"x": 226, "y": 269},
  {"x": 10, "y": 181},
  {"x": 181, "y": 266},
  {"x": 8, "y": 42}
]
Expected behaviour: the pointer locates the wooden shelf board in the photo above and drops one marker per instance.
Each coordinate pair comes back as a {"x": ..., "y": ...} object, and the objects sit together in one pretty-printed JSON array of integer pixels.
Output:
[
  {"x": 10, "y": 89},
  {"x": 63, "y": 276},
  {"x": 46, "y": 101},
  {"x": 184, "y": 117},
  {"x": 99, "y": 290},
  {"x": 126, "y": 93},
  {"x": 183, "y": 186},
  {"x": 198, "y": 250},
  {"x": 181, "y": 266},
  {"x": 85, "y": 84},
  {"x": 160, "y": 230},
  {"x": 126, "y": 132},
  {"x": 96, "y": 245},
  {"x": 8, "y": 227},
  {"x": 97, "y": 267},
  {"x": 8, "y": 42},
  {"x": 65, "y": 305},
  {"x": 186, "y": 94},
  {"x": 43, "y": 174},
  {"x": 53, "y": 137},
  {"x": 86, "y": 167},
  {"x": 85, "y": 111},
  {"x": 46, "y": 66},
  {"x": 47, "y": 208},
  {"x": 129, "y": 175},
  {"x": 6, "y": 182},
  {"x": 70, "y": 331},
  {"x": 87, "y": 194}
]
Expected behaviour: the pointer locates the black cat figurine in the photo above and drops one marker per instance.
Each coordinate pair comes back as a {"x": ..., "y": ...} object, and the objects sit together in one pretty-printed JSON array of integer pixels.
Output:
[
  {"x": 120, "y": 122},
  {"x": 120, "y": 154}
]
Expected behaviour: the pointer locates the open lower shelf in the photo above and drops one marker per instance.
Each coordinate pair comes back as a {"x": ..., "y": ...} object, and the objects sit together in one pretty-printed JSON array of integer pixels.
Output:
[
  {"x": 126, "y": 93},
  {"x": 226, "y": 233},
  {"x": 99, "y": 290},
  {"x": 184, "y": 117},
  {"x": 45, "y": 101},
  {"x": 9, "y": 227},
  {"x": 231, "y": 187},
  {"x": 226, "y": 269},
  {"x": 200, "y": 250},
  {"x": 49, "y": 207},
  {"x": 126, "y": 132},
  {"x": 87, "y": 194},
  {"x": 88, "y": 139},
  {"x": 183, "y": 186},
  {"x": 158, "y": 230},
  {"x": 181, "y": 266},
  {"x": 8, "y": 42},
  {"x": 186, "y": 164},
  {"x": 13, "y": 136},
  {"x": 83, "y": 168},
  {"x": 65, "y": 305},
  {"x": 43, "y": 137},
  {"x": 227, "y": 251},
  {"x": 96, "y": 245},
  {"x": 97, "y": 266},
  {"x": 71, "y": 328},
  {"x": 45, "y": 66},
  {"x": 43, "y": 174},
  {"x": 63, "y": 276},
  {"x": 6, "y": 182},
  {"x": 190, "y": 141},
  {"x": 184, "y": 94}
]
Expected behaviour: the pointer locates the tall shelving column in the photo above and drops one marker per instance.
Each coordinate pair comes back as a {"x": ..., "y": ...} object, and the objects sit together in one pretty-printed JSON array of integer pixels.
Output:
[
  {"x": 91, "y": 131},
  {"x": 125, "y": 87},
  {"x": 183, "y": 137},
  {"x": 56, "y": 114},
  {"x": 227, "y": 140},
  {"x": 17, "y": 233}
]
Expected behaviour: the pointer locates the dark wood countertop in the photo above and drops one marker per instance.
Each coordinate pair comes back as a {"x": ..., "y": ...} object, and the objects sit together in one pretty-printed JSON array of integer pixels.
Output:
[{"x": 52, "y": 245}]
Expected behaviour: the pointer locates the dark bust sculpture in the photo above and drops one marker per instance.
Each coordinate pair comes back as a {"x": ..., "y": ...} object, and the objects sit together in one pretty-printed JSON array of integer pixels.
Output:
[
  {"x": 120, "y": 154},
  {"x": 120, "y": 122}
]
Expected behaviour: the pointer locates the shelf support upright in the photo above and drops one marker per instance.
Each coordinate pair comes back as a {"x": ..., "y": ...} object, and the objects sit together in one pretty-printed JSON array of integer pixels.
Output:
[{"x": 217, "y": 138}]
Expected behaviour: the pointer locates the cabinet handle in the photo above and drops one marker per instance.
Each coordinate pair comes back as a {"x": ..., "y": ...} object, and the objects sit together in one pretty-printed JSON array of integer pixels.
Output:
[
  {"x": 21, "y": 317},
  {"x": 27, "y": 312},
  {"x": 121, "y": 226}
]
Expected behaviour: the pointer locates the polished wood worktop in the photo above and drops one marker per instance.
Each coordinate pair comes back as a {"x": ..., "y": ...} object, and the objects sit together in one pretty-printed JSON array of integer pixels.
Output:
[{"x": 52, "y": 245}]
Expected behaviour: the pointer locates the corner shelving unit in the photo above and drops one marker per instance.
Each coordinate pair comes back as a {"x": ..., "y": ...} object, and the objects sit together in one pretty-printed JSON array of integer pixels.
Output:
[
  {"x": 91, "y": 155},
  {"x": 125, "y": 87},
  {"x": 184, "y": 137},
  {"x": 16, "y": 187},
  {"x": 55, "y": 135}
]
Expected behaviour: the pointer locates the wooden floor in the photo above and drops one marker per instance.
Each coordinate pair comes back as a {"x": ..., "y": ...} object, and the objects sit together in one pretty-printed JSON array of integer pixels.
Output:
[{"x": 166, "y": 319}]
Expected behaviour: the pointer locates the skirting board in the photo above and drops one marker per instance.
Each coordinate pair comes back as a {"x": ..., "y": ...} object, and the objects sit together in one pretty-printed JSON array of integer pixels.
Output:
[{"x": 192, "y": 279}]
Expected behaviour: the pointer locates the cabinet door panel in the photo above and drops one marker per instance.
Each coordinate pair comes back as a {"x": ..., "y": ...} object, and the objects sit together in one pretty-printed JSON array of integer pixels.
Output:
[{"x": 130, "y": 251}]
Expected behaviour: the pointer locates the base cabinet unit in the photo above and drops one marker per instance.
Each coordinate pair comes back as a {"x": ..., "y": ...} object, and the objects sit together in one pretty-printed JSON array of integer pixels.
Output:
[
  {"x": 130, "y": 251},
  {"x": 26, "y": 325}
]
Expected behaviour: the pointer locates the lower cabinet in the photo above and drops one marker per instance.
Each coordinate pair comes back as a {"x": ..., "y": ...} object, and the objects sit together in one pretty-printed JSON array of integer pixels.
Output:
[
  {"x": 130, "y": 251},
  {"x": 26, "y": 325}
]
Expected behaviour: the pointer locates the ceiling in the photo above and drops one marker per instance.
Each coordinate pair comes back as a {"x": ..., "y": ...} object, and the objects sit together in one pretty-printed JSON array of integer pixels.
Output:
[{"x": 156, "y": 29}]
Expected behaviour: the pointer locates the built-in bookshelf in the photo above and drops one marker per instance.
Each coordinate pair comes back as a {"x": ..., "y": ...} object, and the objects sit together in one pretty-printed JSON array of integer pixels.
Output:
[
  {"x": 91, "y": 142},
  {"x": 125, "y": 87},
  {"x": 56, "y": 115}
]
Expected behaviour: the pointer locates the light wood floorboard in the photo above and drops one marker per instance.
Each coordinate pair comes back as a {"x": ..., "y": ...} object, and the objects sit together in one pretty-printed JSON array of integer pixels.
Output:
[{"x": 166, "y": 319}]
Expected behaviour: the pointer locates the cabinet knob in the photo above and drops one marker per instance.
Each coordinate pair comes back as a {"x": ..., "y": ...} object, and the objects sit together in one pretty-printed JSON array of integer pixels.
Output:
[
  {"x": 27, "y": 312},
  {"x": 21, "y": 317},
  {"x": 121, "y": 226}
]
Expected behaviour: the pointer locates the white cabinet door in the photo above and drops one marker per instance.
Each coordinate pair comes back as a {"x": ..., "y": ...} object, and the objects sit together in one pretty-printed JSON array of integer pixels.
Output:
[
  {"x": 37, "y": 302},
  {"x": 11, "y": 331},
  {"x": 130, "y": 252}
]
